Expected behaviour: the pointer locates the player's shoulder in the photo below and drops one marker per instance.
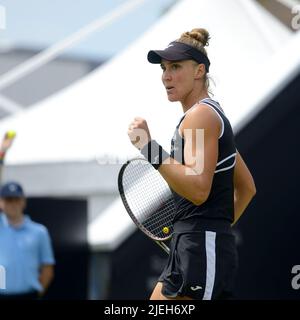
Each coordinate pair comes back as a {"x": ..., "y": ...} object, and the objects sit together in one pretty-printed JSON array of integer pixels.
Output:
[
  {"x": 36, "y": 226},
  {"x": 203, "y": 115}
]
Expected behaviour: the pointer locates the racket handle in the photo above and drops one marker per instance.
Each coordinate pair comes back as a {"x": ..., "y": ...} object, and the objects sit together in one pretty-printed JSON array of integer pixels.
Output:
[{"x": 163, "y": 246}]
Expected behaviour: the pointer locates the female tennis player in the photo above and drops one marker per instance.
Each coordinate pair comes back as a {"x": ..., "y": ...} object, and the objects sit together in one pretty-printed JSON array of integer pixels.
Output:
[{"x": 211, "y": 183}]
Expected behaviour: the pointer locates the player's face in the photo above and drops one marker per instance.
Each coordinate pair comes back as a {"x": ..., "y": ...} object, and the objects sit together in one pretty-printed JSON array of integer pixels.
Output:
[
  {"x": 13, "y": 206},
  {"x": 178, "y": 78}
]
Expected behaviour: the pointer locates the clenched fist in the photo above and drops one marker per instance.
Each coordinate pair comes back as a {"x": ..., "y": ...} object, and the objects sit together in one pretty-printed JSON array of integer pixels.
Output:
[{"x": 138, "y": 133}]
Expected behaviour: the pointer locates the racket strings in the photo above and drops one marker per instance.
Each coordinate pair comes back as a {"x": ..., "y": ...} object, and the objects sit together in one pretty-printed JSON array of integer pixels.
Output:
[
  {"x": 149, "y": 198},
  {"x": 160, "y": 217}
]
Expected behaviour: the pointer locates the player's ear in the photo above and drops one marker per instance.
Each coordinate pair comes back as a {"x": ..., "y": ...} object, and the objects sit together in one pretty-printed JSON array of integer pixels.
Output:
[{"x": 199, "y": 71}]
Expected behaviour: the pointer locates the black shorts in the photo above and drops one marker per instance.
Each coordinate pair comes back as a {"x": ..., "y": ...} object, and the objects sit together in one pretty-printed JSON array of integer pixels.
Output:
[{"x": 201, "y": 265}]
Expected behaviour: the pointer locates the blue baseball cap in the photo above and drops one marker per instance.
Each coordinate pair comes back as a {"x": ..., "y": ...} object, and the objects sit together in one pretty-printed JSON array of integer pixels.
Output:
[{"x": 12, "y": 190}]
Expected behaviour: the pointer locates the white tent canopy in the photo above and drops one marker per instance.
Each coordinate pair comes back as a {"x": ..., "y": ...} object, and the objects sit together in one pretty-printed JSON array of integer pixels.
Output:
[
  {"x": 90, "y": 118},
  {"x": 88, "y": 121}
]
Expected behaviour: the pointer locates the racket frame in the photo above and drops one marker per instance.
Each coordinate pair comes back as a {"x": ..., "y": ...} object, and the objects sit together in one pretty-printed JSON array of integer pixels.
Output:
[{"x": 159, "y": 241}]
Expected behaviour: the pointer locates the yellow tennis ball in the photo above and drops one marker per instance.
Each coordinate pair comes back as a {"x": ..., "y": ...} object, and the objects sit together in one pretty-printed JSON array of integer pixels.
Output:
[
  {"x": 10, "y": 134},
  {"x": 166, "y": 230}
]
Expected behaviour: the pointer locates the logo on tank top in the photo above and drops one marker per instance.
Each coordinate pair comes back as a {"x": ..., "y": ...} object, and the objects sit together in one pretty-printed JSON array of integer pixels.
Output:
[{"x": 196, "y": 288}]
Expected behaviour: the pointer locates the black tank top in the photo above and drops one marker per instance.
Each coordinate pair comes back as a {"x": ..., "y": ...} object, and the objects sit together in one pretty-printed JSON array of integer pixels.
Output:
[{"x": 220, "y": 202}]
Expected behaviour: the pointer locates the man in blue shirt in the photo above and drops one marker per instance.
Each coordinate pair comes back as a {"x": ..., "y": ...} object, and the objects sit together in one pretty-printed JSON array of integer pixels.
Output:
[{"x": 26, "y": 253}]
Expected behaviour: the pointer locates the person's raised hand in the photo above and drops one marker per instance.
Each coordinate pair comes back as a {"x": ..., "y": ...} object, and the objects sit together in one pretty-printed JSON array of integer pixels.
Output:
[{"x": 139, "y": 133}]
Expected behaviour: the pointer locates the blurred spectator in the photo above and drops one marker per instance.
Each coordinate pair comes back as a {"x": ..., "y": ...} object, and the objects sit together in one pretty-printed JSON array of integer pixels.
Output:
[{"x": 25, "y": 246}]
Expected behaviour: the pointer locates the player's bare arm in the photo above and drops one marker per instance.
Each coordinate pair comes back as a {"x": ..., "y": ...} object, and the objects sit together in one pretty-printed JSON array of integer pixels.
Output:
[
  {"x": 194, "y": 186},
  {"x": 244, "y": 187}
]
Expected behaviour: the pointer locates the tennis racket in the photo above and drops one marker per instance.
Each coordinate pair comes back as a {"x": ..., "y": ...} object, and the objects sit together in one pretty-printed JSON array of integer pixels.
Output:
[{"x": 148, "y": 200}]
